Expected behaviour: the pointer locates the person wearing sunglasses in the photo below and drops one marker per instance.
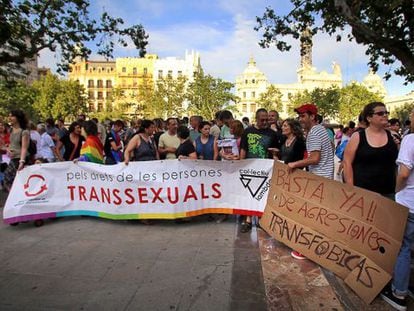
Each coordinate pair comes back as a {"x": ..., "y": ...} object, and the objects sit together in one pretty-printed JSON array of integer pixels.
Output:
[{"x": 369, "y": 157}]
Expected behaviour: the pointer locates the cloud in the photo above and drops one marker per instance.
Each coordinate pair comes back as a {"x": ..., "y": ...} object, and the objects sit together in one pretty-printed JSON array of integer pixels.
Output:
[{"x": 222, "y": 31}]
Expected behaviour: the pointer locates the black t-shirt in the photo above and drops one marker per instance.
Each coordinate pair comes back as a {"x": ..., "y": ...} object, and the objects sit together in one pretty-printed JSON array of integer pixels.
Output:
[
  {"x": 110, "y": 137},
  {"x": 257, "y": 141},
  {"x": 185, "y": 148},
  {"x": 294, "y": 152},
  {"x": 69, "y": 146},
  {"x": 374, "y": 167}
]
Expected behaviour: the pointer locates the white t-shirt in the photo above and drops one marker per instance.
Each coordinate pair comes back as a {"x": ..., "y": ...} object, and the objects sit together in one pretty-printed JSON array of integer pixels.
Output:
[
  {"x": 35, "y": 136},
  {"x": 406, "y": 157},
  {"x": 168, "y": 141},
  {"x": 44, "y": 150},
  {"x": 318, "y": 140}
]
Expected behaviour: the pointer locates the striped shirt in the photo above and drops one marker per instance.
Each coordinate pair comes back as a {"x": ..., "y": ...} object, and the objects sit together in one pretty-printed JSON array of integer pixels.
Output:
[{"x": 318, "y": 140}]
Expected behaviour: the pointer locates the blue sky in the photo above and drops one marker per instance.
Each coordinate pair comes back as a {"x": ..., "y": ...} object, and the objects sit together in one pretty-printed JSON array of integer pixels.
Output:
[{"x": 222, "y": 31}]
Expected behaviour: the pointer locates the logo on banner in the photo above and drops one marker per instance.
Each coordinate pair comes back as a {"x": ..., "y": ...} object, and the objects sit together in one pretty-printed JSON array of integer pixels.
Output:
[
  {"x": 256, "y": 182},
  {"x": 35, "y": 185}
]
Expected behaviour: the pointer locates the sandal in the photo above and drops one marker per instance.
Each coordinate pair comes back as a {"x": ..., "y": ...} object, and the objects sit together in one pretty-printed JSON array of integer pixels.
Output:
[{"x": 246, "y": 227}]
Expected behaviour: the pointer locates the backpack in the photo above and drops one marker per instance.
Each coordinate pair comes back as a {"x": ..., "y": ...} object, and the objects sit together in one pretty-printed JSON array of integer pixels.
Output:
[{"x": 32, "y": 147}]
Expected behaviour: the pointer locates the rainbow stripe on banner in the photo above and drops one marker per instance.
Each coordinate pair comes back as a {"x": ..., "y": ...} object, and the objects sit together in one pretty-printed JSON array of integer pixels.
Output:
[{"x": 203, "y": 211}]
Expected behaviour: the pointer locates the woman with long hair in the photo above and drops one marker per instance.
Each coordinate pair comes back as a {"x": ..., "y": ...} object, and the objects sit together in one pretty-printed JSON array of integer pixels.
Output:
[
  {"x": 72, "y": 143},
  {"x": 142, "y": 145},
  {"x": 369, "y": 157},
  {"x": 206, "y": 144},
  {"x": 142, "y": 148},
  {"x": 18, "y": 148},
  {"x": 293, "y": 149}
]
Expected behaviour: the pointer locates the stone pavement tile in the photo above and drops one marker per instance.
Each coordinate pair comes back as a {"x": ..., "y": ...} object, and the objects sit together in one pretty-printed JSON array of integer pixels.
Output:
[
  {"x": 38, "y": 291},
  {"x": 110, "y": 296},
  {"x": 278, "y": 298},
  {"x": 210, "y": 289},
  {"x": 31, "y": 308},
  {"x": 18, "y": 237},
  {"x": 67, "y": 246},
  {"x": 6, "y": 254},
  {"x": 54, "y": 264},
  {"x": 247, "y": 286},
  {"x": 204, "y": 296},
  {"x": 156, "y": 299},
  {"x": 351, "y": 301},
  {"x": 247, "y": 240},
  {"x": 172, "y": 253},
  {"x": 218, "y": 241},
  {"x": 70, "y": 294},
  {"x": 164, "y": 274},
  {"x": 76, "y": 227},
  {"x": 5, "y": 279},
  {"x": 242, "y": 305},
  {"x": 214, "y": 256},
  {"x": 128, "y": 271},
  {"x": 96, "y": 265},
  {"x": 247, "y": 291},
  {"x": 214, "y": 276},
  {"x": 245, "y": 254},
  {"x": 140, "y": 250},
  {"x": 293, "y": 284}
]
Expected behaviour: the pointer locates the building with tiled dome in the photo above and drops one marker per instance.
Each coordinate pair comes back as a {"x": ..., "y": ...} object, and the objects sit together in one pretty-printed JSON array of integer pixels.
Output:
[{"x": 253, "y": 82}]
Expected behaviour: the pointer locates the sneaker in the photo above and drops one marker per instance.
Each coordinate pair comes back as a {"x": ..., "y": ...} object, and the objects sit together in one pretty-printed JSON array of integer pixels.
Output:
[
  {"x": 297, "y": 255},
  {"x": 395, "y": 302},
  {"x": 246, "y": 227}
]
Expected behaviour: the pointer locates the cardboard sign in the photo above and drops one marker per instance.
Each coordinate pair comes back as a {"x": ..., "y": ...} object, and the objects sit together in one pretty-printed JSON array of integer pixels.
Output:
[{"x": 353, "y": 232}]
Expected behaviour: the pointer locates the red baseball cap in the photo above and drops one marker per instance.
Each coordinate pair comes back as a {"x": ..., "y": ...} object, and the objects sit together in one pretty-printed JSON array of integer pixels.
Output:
[{"x": 309, "y": 108}]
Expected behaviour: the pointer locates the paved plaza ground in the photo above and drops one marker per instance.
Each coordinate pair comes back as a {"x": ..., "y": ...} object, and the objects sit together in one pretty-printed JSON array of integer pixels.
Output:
[{"x": 82, "y": 263}]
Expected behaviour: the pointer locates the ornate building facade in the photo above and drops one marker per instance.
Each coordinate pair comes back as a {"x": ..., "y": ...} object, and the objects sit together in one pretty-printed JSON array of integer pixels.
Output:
[
  {"x": 252, "y": 83},
  {"x": 127, "y": 76}
]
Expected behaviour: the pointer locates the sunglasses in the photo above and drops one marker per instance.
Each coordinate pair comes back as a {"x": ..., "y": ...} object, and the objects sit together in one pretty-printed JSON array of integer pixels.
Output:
[{"x": 381, "y": 113}]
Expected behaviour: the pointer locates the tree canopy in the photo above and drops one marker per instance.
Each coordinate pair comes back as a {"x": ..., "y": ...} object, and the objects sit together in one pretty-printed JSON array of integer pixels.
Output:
[
  {"x": 207, "y": 95},
  {"x": 403, "y": 112},
  {"x": 58, "y": 98},
  {"x": 385, "y": 27},
  {"x": 27, "y": 27},
  {"x": 342, "y": 104},
  {"x": 271, "y": 99},
  {"x": 168, "y": 97},
  {"x": 17, "y": 95},
  {"x": 353, "y": 99}
]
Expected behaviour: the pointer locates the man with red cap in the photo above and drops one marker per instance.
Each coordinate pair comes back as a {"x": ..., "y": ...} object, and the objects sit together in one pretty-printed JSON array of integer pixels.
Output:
[{"x": 320, "y": 151}]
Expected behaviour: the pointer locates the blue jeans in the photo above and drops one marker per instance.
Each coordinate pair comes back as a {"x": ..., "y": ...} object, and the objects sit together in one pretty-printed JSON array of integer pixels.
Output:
[{"x": 401, "y": 277}]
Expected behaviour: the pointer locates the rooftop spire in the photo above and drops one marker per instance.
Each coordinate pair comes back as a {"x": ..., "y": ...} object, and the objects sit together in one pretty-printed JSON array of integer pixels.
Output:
[
  {"x": 306, "y": 49},
  {"x": 251, "y": 61}
]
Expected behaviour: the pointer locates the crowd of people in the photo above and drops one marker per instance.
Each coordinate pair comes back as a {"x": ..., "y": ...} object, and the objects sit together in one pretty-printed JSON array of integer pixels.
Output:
[{"x": 376, "y": 154}]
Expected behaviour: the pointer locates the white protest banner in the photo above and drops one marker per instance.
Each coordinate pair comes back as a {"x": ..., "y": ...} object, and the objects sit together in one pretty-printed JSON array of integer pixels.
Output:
[
  {"x": 353, "y": 232},
  {"x": 142, "y": 190}
]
